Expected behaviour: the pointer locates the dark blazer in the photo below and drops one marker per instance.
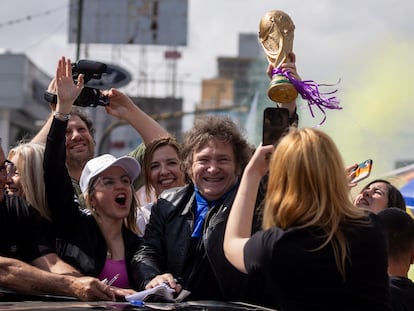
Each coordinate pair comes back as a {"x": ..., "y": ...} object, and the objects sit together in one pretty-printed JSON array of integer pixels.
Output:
[{"x": 168, "y": 237}]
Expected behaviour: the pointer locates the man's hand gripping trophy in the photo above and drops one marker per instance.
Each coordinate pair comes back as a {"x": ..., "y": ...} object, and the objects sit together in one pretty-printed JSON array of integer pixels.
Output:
[{"x": 276, "y": 37}]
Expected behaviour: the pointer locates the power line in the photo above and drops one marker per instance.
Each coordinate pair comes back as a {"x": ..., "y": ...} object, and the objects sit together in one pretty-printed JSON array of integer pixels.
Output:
[
  {"x": 56, "y": 29},
  {"x": 31, "y": 17}
]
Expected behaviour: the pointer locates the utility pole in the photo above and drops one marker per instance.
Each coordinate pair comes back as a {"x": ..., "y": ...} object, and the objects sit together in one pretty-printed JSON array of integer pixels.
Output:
[{"x": 79, "y": 30}]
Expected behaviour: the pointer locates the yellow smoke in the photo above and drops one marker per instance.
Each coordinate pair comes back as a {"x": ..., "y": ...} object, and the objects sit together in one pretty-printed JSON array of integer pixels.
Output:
[{"x": 377, "y": 119}]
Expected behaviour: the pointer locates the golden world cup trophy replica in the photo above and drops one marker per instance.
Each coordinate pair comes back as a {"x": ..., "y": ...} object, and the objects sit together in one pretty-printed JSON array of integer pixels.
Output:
[{"x": 276, "y": 37}]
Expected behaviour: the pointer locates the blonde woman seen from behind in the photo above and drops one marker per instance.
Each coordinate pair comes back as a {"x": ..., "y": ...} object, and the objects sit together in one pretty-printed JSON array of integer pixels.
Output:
[{"x": 317, "y": 251}]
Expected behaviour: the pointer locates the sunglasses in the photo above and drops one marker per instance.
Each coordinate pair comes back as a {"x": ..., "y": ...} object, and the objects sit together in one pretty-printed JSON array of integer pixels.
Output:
[{"x": 7, "y": 168}]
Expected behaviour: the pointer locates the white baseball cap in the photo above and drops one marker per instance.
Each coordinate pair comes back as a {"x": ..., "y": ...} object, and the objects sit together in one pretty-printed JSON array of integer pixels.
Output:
[{"x": 97, "y": 165}]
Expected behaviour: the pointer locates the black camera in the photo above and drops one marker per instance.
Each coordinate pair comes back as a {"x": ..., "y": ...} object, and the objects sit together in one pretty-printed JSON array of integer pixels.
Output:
[{"x": 89, "y": 97}]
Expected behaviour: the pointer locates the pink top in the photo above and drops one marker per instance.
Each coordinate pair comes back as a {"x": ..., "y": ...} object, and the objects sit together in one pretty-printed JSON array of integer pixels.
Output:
[{"x": 112, "y": 268}]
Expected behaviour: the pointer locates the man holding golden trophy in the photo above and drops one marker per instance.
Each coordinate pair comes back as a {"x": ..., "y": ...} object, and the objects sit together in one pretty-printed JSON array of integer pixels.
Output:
[{"x": 276, "y": 32}]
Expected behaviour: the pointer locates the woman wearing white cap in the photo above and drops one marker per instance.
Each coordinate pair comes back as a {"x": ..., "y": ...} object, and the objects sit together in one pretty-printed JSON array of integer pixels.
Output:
[{"x": 100, "y": 242}]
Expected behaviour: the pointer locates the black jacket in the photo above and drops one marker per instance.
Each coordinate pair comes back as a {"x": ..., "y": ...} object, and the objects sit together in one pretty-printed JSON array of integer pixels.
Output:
[
  {"x": 167, "y": 241},
  {"x": 80, "y": 241},
  {"x": 25, "y": 235}
]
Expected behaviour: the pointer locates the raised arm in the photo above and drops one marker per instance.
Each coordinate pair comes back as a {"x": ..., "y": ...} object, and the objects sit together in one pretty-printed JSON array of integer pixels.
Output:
[
  {"x": 41, "y": 136},
  {"x": 123, "y": 108},
  {"x": 59, "y": 190},
  {"x": 239, "y": 224},
  {"x": 67, "y": 90}
]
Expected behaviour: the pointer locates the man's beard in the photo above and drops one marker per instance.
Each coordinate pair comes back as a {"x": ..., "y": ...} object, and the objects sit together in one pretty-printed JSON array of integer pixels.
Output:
[{"x": 78, "y": 161}]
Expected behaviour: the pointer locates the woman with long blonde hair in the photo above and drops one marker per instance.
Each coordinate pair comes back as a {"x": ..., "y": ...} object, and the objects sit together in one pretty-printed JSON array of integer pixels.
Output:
[
  {"x": 317, "y": 251},
  {"x": 25, "y": 176}
]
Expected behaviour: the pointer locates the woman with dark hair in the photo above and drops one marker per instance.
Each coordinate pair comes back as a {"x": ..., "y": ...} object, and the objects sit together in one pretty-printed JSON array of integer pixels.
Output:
[{"x": 378, "y": 195}]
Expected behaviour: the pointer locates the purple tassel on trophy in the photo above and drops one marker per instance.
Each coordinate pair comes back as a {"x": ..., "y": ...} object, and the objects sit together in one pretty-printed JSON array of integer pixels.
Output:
[{"x": 309, "y": 90}]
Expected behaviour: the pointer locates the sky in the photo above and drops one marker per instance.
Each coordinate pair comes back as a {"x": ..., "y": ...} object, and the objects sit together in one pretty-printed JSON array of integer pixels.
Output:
[{"x": 367, "y": 45}]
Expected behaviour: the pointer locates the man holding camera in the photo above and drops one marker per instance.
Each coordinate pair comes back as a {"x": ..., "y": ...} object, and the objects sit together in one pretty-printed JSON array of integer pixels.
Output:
[{"x": 80, "y": 144}]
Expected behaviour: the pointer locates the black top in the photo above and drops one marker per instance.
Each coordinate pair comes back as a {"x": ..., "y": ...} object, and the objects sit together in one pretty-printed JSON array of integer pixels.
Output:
[
  {"x": 80, "y": 240},
  {"x": 24, "y": 234},
  {"x": 402, "y": 293},
  {"x": 298, "y": 277}
]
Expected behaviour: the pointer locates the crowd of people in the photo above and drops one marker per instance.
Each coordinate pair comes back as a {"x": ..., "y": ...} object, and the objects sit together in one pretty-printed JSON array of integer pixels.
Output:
[{"x": 271, "y": 225}]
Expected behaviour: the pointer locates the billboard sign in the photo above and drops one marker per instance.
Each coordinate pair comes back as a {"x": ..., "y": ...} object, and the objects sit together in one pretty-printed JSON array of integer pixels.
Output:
[{"x": 144, "y": 22}]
